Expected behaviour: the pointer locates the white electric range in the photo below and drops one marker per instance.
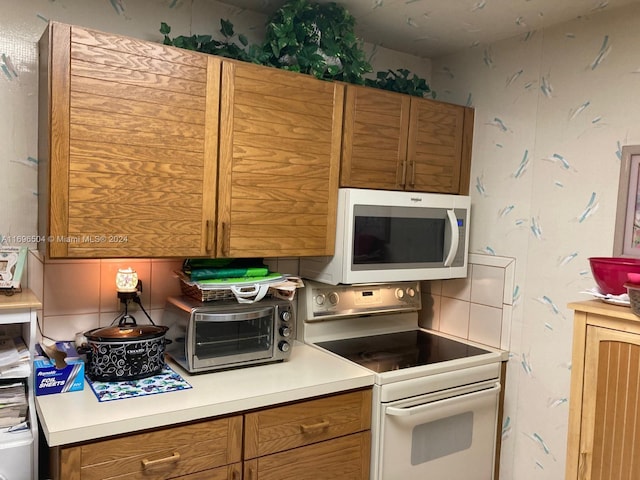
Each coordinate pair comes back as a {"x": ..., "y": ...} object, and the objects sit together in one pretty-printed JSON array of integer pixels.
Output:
[{"x": 435, "y": 398}]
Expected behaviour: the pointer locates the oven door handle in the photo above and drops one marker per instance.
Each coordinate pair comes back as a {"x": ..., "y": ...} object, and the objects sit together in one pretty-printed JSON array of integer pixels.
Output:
[
  {"x": 417, "y": 409},
  {"x": 455, "y": 238}
]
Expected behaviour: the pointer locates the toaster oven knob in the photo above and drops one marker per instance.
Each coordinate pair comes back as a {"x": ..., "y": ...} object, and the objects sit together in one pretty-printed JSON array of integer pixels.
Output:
[
  {"x": 285, "y": 331},
  {"x": 284, "y": 346},
  {"x": 285, "y": 316}
]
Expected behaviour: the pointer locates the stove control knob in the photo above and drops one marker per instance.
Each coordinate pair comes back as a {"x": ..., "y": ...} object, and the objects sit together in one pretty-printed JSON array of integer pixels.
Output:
[
  {"x": 411, "y": 292},
  {"x": 333, "y": 298},
  {"x": 320, "y": 299},
  {"x": 284, "y": 346},
  {"x": 285, "y": 315},
  {"x": 399, "y": 293}
]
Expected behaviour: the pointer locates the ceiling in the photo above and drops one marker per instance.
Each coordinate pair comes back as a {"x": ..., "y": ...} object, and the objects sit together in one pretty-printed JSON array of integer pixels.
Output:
[{"x": 432, "y": 28}]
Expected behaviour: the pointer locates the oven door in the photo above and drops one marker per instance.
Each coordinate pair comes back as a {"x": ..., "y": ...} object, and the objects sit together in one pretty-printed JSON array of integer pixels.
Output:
[
  {"x": 448, "y": 434},
  {"x": 229, "y": 339}
]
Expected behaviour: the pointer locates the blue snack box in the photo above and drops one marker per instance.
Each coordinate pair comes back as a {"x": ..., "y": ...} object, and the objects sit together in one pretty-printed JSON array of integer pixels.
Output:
[{"x": 49, "y": 379}]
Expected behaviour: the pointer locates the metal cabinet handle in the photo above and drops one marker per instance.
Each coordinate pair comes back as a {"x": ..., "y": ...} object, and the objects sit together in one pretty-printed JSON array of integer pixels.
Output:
[
  {"x": 403, "y": 180},
  {"x": 413, "y": 174},
  {"x": 315, "y": 426},
  {"x": 208, "y": 246},
  {"x": 152, "y": 463},
  {"x": 582, "y": 465}
]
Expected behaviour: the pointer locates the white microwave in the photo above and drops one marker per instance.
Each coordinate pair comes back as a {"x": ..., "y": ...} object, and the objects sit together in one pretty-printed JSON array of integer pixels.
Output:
[{"x": 389, "y": 236}]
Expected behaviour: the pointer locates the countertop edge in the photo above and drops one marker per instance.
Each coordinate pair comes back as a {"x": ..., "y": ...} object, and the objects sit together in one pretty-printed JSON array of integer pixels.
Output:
[{"x": 68, "y": 418}]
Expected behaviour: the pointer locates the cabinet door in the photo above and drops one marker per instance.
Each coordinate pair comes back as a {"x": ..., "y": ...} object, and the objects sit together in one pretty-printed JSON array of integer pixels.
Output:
[
  {"x": 279, "y": 160},
  {"x": 610, "y": 428},
  {"x": 437, "y": 159},
  {"x": 212, "y": 446},
  {"x": 132, "y": 151},
  {"x": 346, "y": 458},
  {"x": 374, "y": 145}
]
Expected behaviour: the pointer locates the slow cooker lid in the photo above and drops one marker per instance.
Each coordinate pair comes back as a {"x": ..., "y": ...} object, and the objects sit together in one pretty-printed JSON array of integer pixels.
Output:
[{"x": 125, "y": 332}]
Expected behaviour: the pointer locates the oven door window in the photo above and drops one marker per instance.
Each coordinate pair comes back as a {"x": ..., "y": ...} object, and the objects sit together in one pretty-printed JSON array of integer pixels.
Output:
[{"x": 233, "y": 338}]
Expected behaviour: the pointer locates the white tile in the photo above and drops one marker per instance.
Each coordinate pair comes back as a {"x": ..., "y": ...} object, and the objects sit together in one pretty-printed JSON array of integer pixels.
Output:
[
  {"x": 454, "y": 317},
  {"x": 65, "y": 327},
  {"x": 429, "y": 315},
  {"x": 485, "y": 325},
  {"x": 35, "y": 273},
  {"x": 289, "y": 266},
  {"x": 459, "y": 288},
  {"x": 490, "y": 260},
  {"x": 71, "y": 288},
  {"x": 487, "y": 285},
  {"x": 164, "y": 282},
  {"x": 505, "y": 337},
  {"x": 509, "y": 283},
  {"x": 432, "y": 286}
]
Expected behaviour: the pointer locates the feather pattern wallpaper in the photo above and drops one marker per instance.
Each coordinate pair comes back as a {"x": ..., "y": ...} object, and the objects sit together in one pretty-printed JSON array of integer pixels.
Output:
[{"x": 552, "y": 112}]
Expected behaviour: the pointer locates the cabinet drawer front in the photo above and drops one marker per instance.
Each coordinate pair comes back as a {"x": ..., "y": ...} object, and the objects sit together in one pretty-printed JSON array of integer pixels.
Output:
[
  {"x": 174, "y": 451},
  {"x": 346, "y": 458},
  {"x": 282, "y": 428}
]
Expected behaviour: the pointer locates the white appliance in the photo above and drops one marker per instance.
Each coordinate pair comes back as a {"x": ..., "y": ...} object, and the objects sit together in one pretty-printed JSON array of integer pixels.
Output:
[
  {"x": 435, "y": 398},
  {"x": 388, "y": 236}
]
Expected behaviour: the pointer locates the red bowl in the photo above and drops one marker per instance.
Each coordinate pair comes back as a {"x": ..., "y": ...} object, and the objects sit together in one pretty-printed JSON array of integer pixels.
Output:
[{"x": 610, "y": 273}]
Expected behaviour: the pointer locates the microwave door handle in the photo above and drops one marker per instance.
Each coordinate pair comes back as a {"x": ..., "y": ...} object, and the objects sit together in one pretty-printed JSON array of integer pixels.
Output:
[
  {"x": 455, "y": 238},
  {"x": 415, "y": 410}
]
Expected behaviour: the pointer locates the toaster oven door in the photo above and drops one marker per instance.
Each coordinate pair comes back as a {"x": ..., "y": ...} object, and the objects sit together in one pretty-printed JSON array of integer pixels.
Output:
[{"x": 230, "y": 339}]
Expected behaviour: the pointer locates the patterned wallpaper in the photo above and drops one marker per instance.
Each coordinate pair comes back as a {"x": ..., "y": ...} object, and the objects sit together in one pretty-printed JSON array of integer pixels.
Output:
[{"x": 553, "y": 109}]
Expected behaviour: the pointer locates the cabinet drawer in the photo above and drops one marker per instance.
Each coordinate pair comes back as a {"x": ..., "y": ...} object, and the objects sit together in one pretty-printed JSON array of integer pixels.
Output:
[
  {"x": 166, "y": 453},
  {"x": 290, "y": 426},
  {"x": 346, "y": 458}
]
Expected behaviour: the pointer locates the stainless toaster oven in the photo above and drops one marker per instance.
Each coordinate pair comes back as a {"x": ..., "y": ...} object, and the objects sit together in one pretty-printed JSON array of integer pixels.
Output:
[{"x": 207, "y": 336}]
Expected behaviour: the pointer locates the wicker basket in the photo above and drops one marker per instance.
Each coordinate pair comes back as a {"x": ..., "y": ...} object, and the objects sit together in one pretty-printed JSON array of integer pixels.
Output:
[{"x": 236, "y": 293}]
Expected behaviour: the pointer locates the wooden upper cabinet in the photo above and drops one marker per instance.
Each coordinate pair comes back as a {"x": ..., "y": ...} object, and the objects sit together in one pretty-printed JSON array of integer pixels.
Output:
[
  {"x": 128, "y": 167},
  {"x": 396, "y": 142},
  {"x": 278, "y": 162}
]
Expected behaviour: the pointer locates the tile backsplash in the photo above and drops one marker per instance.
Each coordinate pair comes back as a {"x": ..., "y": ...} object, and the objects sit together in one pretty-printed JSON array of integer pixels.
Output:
[
  {"x": 478, "y": 307},
  {"x": 78, "y": 295}
]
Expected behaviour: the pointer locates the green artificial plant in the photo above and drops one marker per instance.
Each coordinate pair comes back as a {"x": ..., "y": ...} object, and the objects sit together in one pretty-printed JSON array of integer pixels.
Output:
[{"x": 306, "y": 37}]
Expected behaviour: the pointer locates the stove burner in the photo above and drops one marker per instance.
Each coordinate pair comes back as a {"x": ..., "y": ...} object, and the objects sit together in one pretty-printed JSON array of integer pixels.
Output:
[{"x": 395, "y": 351}]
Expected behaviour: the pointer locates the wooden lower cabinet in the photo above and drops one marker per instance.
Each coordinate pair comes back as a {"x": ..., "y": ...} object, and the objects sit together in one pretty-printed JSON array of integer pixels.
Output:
[
  {"x": 324, "y": 438},
  {"x": 604, "y": 411},
  {"x": 208, "y": 449},
  {"x": 346, "y": 458},
  {"x": 321, "y": 438}
]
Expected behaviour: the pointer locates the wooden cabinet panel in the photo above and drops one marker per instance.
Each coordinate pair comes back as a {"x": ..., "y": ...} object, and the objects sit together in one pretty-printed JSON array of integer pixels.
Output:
[
  {"x": 167, "y": 453},
  {"x": 604, "y": 410},
  {"x": 397, "y": 142},
  {"x": 374, "y": 147},
  {"x": 278, "y": 163},
  {"x": 132, "y": 154},
  {"x": 282, "y": 428},
  {"x": 611, "y": 406},
  {"x": 346, "y": 458}
]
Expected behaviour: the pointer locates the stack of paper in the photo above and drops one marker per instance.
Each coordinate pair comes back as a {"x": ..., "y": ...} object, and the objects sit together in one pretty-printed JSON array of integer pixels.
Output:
[
  {"x": 14, "y": 358},
  {"x": 13, "y": 404}
]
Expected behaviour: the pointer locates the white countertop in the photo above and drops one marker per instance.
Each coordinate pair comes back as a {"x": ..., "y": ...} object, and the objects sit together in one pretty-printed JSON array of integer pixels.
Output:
[{"x": 72, "y": 417}]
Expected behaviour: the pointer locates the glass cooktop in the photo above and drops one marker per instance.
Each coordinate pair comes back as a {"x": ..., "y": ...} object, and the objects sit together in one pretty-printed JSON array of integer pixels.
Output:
[{"x": 394, "y": 351}]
